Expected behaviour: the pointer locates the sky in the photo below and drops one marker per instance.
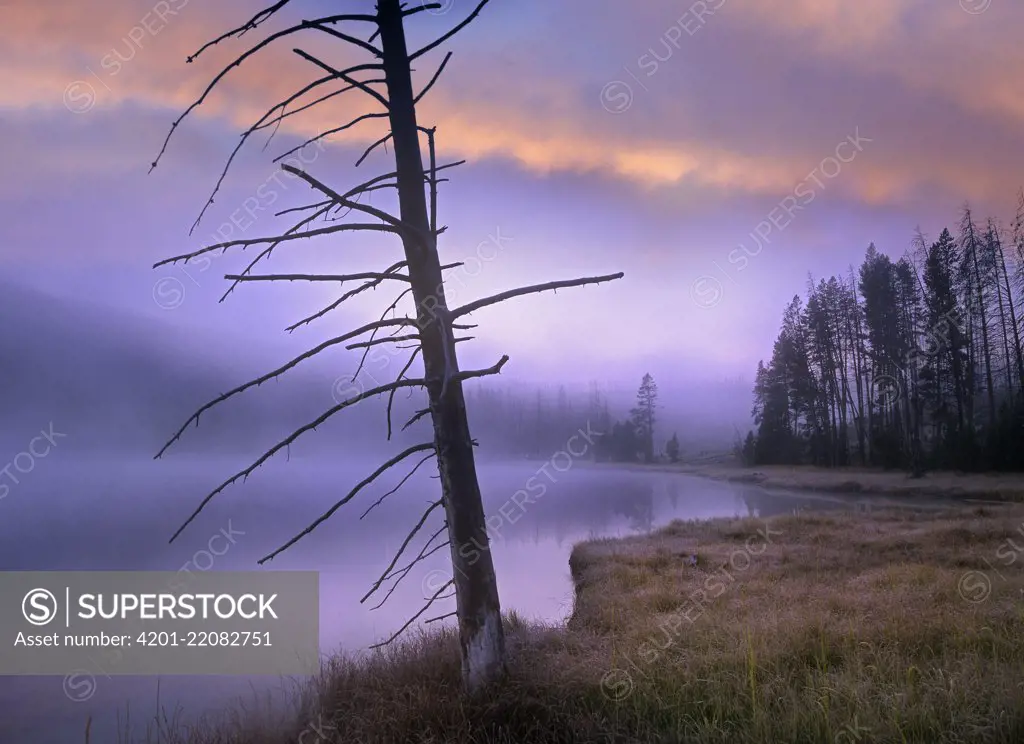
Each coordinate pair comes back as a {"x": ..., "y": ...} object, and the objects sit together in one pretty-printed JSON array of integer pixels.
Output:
[{"x": 717, "y": 152}]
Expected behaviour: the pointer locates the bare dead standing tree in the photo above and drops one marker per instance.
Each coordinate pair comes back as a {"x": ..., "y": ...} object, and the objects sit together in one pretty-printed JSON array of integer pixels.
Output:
[{"x": 430, "y": 331}]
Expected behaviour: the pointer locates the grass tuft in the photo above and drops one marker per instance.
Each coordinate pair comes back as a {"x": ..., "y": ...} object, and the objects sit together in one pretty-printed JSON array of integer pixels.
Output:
[{"x": 838, "y": 628}]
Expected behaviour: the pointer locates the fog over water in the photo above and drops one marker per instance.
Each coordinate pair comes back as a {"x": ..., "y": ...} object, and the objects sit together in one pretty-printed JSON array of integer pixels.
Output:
[
  {"x": 89, "y": 396},
  {"x": 116, "y": 513}
]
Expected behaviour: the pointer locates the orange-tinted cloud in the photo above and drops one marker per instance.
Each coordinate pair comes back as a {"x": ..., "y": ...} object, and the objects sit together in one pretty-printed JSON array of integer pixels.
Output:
[{"x": 550, "y": 119}]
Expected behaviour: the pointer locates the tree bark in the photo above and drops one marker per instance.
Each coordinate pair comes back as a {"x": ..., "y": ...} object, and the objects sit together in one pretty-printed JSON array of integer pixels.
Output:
[
  {"x": 1014, "y": 326},
  {"x": 972, "y": 243},
  {"x": 479, "y": 613}
]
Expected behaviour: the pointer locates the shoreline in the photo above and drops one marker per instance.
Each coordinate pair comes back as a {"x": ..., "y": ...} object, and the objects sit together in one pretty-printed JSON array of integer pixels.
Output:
[
  {"x": 775, "y": 615},
  {"x": 995, "y": 487},
  {"x": 743, "y": 620}
]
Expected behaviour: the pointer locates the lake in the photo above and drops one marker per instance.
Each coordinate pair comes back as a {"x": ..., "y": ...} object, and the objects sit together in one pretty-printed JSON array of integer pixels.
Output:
[{"x": 94, "y": 513}]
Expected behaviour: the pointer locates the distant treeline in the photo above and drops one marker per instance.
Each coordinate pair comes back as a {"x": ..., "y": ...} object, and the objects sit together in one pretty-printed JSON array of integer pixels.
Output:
[
  {"x": 537, "y": 424},
  {"x": 912, "y": 364}
]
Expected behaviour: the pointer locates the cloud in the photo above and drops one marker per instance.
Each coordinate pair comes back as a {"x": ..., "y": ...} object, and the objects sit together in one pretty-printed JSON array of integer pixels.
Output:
[
  {"x": 728, "y": 112},
  {"x": 933, "y": 47}
]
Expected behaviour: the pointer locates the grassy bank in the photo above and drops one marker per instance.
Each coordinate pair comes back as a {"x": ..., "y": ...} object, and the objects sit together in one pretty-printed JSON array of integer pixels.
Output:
[
  {"x": 894, "y": 626},
  {"x": 944, "y": 484}
]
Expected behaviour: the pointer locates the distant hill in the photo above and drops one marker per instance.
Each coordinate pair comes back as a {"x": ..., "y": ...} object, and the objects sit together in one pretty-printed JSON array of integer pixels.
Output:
[{"x": 113, "y": 380}]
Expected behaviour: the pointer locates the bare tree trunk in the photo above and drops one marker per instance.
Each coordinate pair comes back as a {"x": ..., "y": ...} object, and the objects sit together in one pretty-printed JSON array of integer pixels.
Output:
[
  {"x": 863, "y": 437},
  {"x": 1014, "y": 326},
  {"x": 975, "y": 283},
  {"x": 1005, "y": 334},
  {"x": 479, "y": 613},
  {"x": 478, "y": 609}
]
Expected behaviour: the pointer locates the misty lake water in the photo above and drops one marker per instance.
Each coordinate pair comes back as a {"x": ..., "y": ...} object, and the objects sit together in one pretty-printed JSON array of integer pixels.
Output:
[{"x": 96, "y": 513}]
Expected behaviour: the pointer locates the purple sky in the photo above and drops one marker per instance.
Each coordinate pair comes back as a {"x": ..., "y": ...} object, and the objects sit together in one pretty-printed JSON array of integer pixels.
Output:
[{"x": 652, "y": 138}]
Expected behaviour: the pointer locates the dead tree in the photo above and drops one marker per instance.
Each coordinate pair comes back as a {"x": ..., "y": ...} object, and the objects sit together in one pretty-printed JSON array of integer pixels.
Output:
[{"x": 387, "y": 80}]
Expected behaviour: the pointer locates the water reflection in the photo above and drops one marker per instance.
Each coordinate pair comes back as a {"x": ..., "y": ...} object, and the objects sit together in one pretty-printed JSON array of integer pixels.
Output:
[{"x": 119, "y": 516}]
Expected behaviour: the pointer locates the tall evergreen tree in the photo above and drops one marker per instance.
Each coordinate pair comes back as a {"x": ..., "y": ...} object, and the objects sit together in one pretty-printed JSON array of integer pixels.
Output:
[
  {"x": 643, "y": 414},
  {"x": 672, "y": 448},
  {"x": 892, "y": 360}
]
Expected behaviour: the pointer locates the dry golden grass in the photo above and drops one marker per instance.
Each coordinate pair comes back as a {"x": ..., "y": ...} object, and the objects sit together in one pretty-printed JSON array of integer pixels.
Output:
[
  {"x": 835, "y": 629},
  {"x": 898, "y": 626}
]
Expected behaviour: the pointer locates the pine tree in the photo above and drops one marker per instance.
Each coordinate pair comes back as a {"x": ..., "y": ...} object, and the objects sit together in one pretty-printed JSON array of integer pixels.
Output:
[
  {"x": 672, "y": 448},
  {"x": 643, "y": 415},
  {"x": 750, "y": 449}
]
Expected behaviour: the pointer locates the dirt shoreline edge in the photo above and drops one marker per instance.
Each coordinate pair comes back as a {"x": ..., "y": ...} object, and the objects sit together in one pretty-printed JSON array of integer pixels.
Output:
[{"x": 999, "y": 487}]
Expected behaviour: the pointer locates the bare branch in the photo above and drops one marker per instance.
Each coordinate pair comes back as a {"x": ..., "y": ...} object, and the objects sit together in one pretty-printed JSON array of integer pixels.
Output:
[
  {"x": 434, "y": 79},
  {"x": 347, "y": 295},
  {"x": 373, "y": 147},
  {"x": 387, "y": 310},
  {"x": 421, "y": 8},
  {"x": 339, "y": 73},
  {"x": 315, "y": 277},
  {"x": 351, "y": 495},
  {"x": 281, "y": 370},
  {"x": 433, "y": 179},
  {"x": 368, "y": 185},
  {"x": 424, "y": 553},
  {"x": 329, "y": 132},
  {"x": 270, "y": 249},
  {"x": 401, "y": 483},
  {"x": 340, "y": 199},
  {"x": 291, "y": 438},
  {"x": 379, "y": 187},
  {"x": 416, "y": 417},
  {"x": 496, "y": 369},
  {"x": 391, "y": 395},
  {"x": 376, "y": 181},
  {"x": 440, "y": 617},
  {"x": 262, "y": 123},
  {"x": 351, "y": 39},
  {"x": 450, "y": 34},
  {"x": 252, "y": 23},
  {"x": 325, "y": 203},
  {"x": 373, "y": 183},
  {"x": 412, "y": 619},
  {"x": 326, "y": 97},
  {"x": 348, "y": 227},
  {"x": 379, "y": 341},
  {"x": 277, "y": 121},
  {"x": 239, "y": 60},
  {"x": 494, "y": 299},
  {"x": 401, "y": 550}
]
